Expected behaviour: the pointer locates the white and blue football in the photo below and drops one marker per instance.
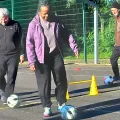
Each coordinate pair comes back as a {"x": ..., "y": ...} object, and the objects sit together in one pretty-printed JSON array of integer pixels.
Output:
[
  {"x": 68, "y": 112},
  {"x": 13, "y": 101},
  {"x": 108, "y": 80}
]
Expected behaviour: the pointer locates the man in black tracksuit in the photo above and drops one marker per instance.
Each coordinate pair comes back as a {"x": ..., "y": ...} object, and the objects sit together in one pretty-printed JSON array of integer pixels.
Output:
[{"x": 10, "y": 52}]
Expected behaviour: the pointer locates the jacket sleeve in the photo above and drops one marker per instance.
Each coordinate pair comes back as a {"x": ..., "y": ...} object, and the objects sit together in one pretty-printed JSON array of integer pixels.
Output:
[
  {"x": 30, "y": 46},
  {"x": 68, "y": 37}
]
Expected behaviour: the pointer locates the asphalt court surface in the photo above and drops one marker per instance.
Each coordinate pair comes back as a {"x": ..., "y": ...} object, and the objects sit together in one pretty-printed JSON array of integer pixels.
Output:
[{"x": 105, "y": 106}]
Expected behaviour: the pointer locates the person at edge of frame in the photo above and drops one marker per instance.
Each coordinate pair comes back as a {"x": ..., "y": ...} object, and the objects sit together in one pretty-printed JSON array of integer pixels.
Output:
[
  {"x": 115, "y": 9},
  {"x": 11, "y": 53}
]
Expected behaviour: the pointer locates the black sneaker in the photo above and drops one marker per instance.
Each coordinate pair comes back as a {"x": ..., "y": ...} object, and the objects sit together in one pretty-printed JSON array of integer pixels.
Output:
[
  {"x": 5, "y": 101},
  {"x": 2, "y": 94},
  {"x": 3, "y": 98}
]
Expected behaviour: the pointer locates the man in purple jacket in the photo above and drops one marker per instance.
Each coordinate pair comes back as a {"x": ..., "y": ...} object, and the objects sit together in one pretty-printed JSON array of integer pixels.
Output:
[{"x": 43, "y": 45}]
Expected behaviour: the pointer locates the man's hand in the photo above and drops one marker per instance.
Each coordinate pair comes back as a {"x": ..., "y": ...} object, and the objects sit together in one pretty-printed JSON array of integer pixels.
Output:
[
  {"x": 22, "y": 59},
  {"x": 32, "y": 68},
  {"x": 77, "y": 54}
]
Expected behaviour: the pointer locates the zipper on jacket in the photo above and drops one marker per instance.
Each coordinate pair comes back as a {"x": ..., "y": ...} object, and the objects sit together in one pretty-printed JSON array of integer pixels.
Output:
[{"x": 5, "y": 37}]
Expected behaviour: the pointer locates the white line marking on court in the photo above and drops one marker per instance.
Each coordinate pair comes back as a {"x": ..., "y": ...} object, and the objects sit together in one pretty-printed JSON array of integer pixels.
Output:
[
  {"x": 4, "y": 108},
  {"x": 30, "y": 103}
]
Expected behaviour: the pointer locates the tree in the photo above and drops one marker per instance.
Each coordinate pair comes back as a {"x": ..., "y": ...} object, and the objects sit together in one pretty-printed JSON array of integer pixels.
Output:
[{"x": 103, "y": 8}]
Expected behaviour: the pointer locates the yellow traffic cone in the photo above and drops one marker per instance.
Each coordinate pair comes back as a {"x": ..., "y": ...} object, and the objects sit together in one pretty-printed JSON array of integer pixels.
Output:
[
  {"x": 67, "y": 95},
  {"x": 93, "y": 87}
]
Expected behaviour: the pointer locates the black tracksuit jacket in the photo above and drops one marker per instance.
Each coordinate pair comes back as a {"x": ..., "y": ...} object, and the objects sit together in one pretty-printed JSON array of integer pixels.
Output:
[{"x": 11, "y": 38}]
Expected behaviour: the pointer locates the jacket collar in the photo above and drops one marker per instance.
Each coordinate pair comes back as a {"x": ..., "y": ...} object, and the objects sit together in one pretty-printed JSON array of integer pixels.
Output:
[{"x": 36, "y": 19}]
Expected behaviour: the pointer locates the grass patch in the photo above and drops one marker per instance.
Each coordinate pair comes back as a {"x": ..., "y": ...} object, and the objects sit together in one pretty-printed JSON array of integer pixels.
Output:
[{"x": 89, "y": 56}]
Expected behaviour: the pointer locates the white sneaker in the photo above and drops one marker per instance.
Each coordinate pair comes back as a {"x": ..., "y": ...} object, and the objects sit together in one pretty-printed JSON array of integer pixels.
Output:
[{"x": 47, "y": 112}]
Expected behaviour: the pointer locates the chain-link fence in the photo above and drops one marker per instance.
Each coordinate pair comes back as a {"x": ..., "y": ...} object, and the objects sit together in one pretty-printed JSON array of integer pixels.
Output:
[{"x": 25, "y": 10}]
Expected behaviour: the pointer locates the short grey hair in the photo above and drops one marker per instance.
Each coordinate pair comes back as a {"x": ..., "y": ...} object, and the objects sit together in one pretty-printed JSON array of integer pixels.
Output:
[
  {"x": 43, "y": 3},
  {"x": 4, "y": 12}
]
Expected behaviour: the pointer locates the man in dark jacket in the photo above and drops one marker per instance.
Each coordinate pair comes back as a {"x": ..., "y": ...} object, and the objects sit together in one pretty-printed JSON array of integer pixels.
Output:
[
  {"x": 43, "y": 45},
  {"x": 10, "y": 52}
]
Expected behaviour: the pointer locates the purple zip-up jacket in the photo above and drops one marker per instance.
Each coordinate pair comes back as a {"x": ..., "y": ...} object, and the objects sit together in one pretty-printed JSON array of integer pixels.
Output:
[{"x": 35, "y": 40}]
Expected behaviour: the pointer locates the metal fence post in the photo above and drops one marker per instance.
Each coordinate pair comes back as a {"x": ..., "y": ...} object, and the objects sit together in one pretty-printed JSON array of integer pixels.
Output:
[
  {"x": 12, "y": 7},
  {"x": 96, "y": 35},
  {"x": 84, "y": 33},
  {"x": 96, "y": 59}
]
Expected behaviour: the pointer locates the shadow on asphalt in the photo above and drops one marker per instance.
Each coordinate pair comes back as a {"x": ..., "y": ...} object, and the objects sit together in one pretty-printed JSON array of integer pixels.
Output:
[
  {"x": 29, "y": 105},
  {"x": 26, "y": 93},
  {"x": 98, "y": 109},
  {"x": 101, "y": 89},
  {"x": 87, "y": 111},
  {"x": 94, "y": 110},
  {"x": 55, "y": 116},
  {"x": 30, "y": 96}
]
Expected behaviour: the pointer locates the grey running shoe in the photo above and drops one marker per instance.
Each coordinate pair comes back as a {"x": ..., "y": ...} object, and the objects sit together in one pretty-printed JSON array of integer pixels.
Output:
[
  {"x": 3, "y": 98},
  {"x": 2, "y": 95}
]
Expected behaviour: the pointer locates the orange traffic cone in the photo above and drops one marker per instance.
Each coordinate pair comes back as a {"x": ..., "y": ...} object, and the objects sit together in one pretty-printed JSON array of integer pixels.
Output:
[{"x": 93, "y": 87}]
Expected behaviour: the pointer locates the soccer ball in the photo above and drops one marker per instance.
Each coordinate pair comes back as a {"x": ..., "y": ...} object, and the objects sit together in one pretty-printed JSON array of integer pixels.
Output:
[
  {"x": 13, "y": 101},
  {"x": 68, "y": 112},
  {"x": 108, "y": 80}
]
